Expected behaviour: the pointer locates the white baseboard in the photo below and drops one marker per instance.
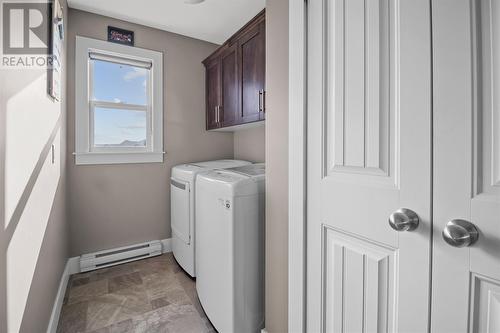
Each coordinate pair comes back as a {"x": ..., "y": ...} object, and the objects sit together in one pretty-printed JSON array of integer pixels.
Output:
[
  {"x": 73, "y": 267},
  {"x": 166, "y": 245}
]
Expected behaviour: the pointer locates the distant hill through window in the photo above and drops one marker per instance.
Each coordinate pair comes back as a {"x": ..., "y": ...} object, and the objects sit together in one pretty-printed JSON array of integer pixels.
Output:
[{"x": 125, "y": 143}]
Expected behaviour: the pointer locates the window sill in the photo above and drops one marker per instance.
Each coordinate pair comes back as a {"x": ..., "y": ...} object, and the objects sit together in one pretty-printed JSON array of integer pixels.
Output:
[{"x": 118, "y": 158}]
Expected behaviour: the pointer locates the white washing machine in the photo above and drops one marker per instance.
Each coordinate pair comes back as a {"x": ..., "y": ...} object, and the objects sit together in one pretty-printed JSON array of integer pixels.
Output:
[
  {"x": 230, "y": 247},
  {"x": 182, "y": 208}
]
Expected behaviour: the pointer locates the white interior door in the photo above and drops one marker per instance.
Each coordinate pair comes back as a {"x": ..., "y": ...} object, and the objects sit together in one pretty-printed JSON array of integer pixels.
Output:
[
  {"x": 369, "y": 154},
  {"x": 466, "y": 280}
]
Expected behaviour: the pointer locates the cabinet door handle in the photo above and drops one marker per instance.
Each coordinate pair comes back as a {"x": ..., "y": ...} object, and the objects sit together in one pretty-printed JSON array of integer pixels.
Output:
[
  {"x": 260, "y": 101},
  {"x": 215, "y": 114},
  {"x": 263, "y": 101}
]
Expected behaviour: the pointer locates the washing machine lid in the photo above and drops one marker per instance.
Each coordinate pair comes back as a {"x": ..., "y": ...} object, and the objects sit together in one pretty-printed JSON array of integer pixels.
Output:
[
  {"x": 237, "y": 182},
  {"x": 252, "y": 170},
  {"x": 223, "y": 176},
  {"x": 188, "y": 171},
  {"x": 221, "y": 164}
]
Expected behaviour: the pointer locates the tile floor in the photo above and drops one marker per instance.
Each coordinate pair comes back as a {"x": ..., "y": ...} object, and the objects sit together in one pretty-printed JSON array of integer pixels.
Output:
[{"x": 149, "y": 295}]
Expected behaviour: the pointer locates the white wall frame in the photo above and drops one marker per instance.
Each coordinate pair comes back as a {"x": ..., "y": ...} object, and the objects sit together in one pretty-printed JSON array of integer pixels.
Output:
[
  {"x": 297, "y": 166},
  {"x": 83, "y": 124}
]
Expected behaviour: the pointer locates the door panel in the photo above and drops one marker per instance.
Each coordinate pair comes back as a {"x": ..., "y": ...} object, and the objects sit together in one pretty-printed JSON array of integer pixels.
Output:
[
  {"x": 485, "y": 301},
  {"x": 230, "y": 87},
  {"x": 364, "y": 274},
  {"x": 360, "y": 117},
  {"x": 252, "y": 58},
  {"x": 213, "y": 93},
  {"x": 369, "y": 139},
  {"x": 485, "y": 205},
  {"x": 361, "y": 122},
  {"x": 466, "y": 41}
]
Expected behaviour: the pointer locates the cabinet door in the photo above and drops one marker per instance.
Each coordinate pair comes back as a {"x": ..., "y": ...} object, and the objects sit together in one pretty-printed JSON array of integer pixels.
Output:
[
  {"x": 252, "y": 57},
  {"x": 229, "y": 111},
  {"x": 213, "y": 93}
]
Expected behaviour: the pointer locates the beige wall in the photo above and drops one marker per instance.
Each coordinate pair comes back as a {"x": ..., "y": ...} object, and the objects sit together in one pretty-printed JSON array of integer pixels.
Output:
[
  {"x": 277, "y": 166},
  {"x": 108, "y": 205},
  {"x": 114, "y": 205},
  {"x": 250, "y": 144},
  {"x": 33, "y": 232}
]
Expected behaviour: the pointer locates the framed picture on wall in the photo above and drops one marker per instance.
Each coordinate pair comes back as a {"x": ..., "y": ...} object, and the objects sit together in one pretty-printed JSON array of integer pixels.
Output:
[
  {"x": 56, "y": 46},
  {"x": 120, "y": 36}
]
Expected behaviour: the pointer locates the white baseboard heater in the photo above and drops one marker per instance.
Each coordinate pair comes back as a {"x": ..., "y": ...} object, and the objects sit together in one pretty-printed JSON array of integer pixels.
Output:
[{"x": 119, "y": 255}]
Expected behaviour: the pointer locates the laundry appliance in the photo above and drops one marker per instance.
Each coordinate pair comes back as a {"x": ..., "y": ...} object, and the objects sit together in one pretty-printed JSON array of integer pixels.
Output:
[
  {"x": 230, "y": 247},
  {"x": 182, "y": 208}
]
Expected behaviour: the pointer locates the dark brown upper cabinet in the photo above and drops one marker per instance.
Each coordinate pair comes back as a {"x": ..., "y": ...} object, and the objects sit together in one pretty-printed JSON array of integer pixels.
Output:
[
  {"x": 230, "y": 98},
  {"x": 235, "y": 78},
  {"x": 213, "y": 94},
  {"x": 253, "y": 61}
]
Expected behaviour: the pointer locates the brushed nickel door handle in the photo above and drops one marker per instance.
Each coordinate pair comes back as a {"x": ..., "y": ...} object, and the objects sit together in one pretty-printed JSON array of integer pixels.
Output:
[
  {"x": 404, "y": 219},
  {"x": 460, "y": 233}
]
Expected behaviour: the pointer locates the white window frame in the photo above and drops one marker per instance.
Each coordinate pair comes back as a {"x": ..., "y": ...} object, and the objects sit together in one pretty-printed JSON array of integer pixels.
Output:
[{"x": 85, "y": 151}]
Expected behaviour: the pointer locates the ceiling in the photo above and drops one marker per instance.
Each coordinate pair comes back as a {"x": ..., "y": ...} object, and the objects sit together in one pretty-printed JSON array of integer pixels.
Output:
[{"x": 213, "y": 20}]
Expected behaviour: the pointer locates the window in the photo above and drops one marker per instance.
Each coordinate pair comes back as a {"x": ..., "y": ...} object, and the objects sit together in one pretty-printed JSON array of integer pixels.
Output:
[{"x": 118, "y": 93}]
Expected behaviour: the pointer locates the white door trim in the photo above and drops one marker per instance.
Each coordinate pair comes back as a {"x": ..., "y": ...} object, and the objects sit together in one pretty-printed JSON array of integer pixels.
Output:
[{"x": 297, "y": 144}]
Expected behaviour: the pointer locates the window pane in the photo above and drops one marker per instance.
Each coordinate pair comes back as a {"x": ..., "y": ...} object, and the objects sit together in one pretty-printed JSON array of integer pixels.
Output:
[
  {"x": 119, "y": 128},
  {"x": 119, "y": 83}
]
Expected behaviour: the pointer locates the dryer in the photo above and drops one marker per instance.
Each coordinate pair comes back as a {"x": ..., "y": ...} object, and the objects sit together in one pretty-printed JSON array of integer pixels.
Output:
[
  {"x": 182, "y": 208},
  {"x": 230, "y": 247}
]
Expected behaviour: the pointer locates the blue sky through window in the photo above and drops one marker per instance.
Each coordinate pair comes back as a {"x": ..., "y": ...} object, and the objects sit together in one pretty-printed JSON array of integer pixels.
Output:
[
  {"x": 116, "y": 127},
  {"x": 119, "y": 83}
]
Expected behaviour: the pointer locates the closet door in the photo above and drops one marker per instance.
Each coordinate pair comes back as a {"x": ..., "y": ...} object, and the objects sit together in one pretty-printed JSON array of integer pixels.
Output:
[
  {"x": 230, "y": 87},
  {"x": 369, "y": 166},
  {"x": 213, "y": 93},
  {"x": 252, "y": 63},
  {"x": 466, "y": 254}
]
